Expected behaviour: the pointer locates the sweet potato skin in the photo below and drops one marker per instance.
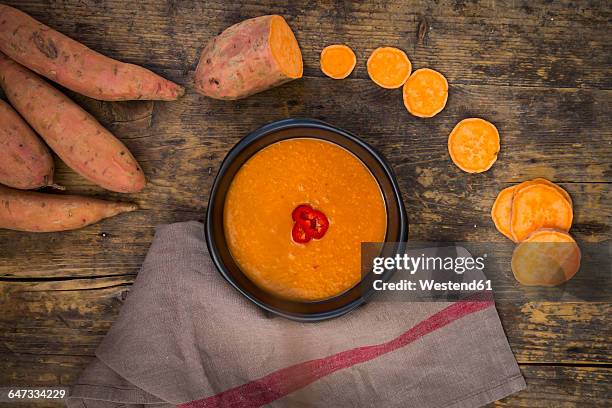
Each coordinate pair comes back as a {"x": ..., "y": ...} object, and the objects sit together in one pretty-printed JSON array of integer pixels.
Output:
[
  {"x": 25, "y": 161},
  {"x": 39, "y": 212},
  {"x": 77, "y": 138},
  {"x": 73, "y": 65},
  {"x": 238, "y": 62}
]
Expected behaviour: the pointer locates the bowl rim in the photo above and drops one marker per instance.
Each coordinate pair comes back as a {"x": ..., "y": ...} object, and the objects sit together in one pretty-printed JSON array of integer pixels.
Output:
[{"x": 231, "y": 156}]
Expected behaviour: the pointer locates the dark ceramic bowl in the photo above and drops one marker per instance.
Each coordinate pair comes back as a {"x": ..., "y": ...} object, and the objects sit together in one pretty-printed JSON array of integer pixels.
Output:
[{"x": 397, "y": 223}]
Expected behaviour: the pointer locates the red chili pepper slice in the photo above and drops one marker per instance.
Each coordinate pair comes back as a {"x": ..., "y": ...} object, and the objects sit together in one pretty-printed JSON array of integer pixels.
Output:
[
  {"x": 318, "y": 224},
  {"x": 314, "y": 222},
  {"x": 301, "y": 214},
  {"x": 299, "y": 234}
]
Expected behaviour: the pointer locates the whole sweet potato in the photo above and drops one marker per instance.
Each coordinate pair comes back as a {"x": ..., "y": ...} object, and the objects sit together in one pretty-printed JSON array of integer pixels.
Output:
[
  {"x": 73, "y": 65},
  {"x": 249, "y": 57},
  {"x": 40, "y": 212},
  {"x": 77, "y": 138},
  {"x": 25, "y": 161}
]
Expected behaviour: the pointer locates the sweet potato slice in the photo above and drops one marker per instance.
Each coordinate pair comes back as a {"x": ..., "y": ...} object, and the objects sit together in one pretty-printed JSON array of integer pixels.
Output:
[
  {"x": 502, "y": 207},
  {"x": 40, "y": 212},
  {"x": 536, "y": 206},
  {"x": 249, "y": 57},
  {"x": 502, "y": 210},
  {"x": 389, "y": 67},
  {"x": 473, "y": 145},
  {"x": 425, "y": 93},
  {"x": 337, "y": 61},
  {"x": 548, "y": 257}
]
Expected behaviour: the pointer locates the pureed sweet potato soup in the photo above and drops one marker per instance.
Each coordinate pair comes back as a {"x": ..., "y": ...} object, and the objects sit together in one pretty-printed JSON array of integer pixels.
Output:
[{"x": 296, "y": 214}]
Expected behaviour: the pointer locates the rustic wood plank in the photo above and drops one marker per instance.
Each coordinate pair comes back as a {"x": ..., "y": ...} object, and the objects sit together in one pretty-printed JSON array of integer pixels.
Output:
[
  {"x": 480, "y": 42},
  {"x": 561, "y": 387},
  {"x": 72, "y": 316}
]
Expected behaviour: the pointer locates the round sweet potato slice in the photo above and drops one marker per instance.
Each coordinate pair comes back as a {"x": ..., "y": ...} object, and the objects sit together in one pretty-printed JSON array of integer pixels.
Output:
[
  {"x": 337, "y": 61},
  {"x": 502, "y": 210},
  {"x": 548, "y": 257},
  {"x": 502, "y": 207},
  {"x": 425, "y": 93},
  {"x": 389, "y": 67},
  {"x": 473, "y": 145},
  {"x": 536, "y": 206}
]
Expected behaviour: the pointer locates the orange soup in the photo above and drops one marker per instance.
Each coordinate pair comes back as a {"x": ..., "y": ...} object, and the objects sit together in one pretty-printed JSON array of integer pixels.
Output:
[{"x": 260, "y": 221}]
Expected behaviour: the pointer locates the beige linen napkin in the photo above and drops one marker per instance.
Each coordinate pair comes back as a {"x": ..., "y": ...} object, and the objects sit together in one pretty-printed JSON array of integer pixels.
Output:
[{"x": 186, "y": 338}]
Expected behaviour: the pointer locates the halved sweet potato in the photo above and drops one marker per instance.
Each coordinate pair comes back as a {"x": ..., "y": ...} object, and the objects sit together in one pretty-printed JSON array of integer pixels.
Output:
[
  {"x": 548, "y": 257},
  {"x": 249, "y": 57},
  {"x": 473, "y": 145},
  {"x": 502, "y": 210},
  {"x": 425, "y": 93},
  {"x": 337, "y": 61},
  {"x": 536, "y": 206},
  {"x": 389, "y": 67}
]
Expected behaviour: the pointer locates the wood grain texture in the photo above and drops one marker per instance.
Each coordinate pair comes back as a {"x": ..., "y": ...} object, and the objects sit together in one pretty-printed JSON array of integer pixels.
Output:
[{"x": 540, "y": 71}]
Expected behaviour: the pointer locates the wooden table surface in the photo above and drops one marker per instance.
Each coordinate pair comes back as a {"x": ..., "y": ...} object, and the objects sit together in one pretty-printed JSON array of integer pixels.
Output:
[{"x": 539, "y": 71}]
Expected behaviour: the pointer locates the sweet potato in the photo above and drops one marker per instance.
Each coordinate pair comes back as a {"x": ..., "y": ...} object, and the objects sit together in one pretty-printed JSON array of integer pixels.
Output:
[
  {"x": 502, "y": 210},
  {"x": 547, "y": 257},
  {"x": 389, "y": 67},
  {"x": 73, "y": 65},
  {"x": 249, "y": 57},
  {"x": 40, "y": 212},
  {"x": 502, "y": 207},
  {"x": 425, "y": 93},
  {"x": 25, "y": 161},
  {"x": 473, "y": 145},
  {"x": 536, "y": 206},
  {"x": 337, "y": 61},
  {"x": 78, "y": 139}
]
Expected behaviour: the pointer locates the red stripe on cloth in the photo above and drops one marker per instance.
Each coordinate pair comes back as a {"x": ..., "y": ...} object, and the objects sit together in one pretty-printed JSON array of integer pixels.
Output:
[{"x": 282, "y": 382}]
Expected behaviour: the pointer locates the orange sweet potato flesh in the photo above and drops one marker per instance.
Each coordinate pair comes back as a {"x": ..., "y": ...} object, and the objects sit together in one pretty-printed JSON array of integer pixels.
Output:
[
  {"x": 39, "y": 212},
  {"x": 502, "y": 207},
  {"x": 25, "y": 161},
  {"x": 536, "y": 206},
  {"x": 337, "y": 61},
  {"x": 249, "y": 57},
  {"x": 73, "y": 65},
  {"x": 473, "y": 145},
  {"x": 425, "y": 93},
  {"x": 548, "y": 257},
  {"x": 551, "y": 184},
  {"x": 502, "y": 210},
  {"x": 77, "y": 138},
  {"x": 389, "y": 67}
]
